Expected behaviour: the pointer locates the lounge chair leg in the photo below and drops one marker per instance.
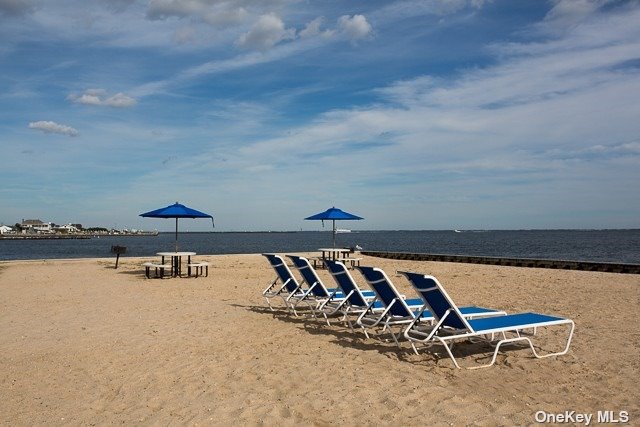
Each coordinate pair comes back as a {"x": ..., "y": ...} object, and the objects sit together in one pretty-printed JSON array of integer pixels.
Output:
[
  {"x": 348, "y": 321},
  {"x": 269, "y": 303},
  {"x": 326, "y": 319},
  {"x": 294, "y": 305},
  {"x": 493, "y": 359},
  {"x": 495, "y": 353},
  {"x": 446, "y": 347},
  {"x": 415, "y": 350},
  {"x": 559, "y": 353},
  {"x": 394, "y": 337},
  {"x": 366, "y": 334},
  {"x": 511, "y": 340}
]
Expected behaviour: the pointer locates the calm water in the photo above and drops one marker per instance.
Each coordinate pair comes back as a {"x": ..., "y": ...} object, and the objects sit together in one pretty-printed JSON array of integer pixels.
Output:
[{"x": 576, "y": 245}]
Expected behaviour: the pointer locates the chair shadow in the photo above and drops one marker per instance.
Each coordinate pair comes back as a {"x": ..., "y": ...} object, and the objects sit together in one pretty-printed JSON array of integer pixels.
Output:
[
  {"x": 433, "y": 356},
  {"x": 380, "y": 342},
  {"x": 470, "y": 353}
]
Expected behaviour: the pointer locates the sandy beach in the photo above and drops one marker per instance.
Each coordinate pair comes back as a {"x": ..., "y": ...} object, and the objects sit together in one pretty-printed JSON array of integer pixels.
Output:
[{"x": 82, "y": 343}]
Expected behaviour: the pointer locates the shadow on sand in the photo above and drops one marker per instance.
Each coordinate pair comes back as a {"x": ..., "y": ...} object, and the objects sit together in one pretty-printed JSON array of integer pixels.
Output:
[{"x": 433, "y": 356}]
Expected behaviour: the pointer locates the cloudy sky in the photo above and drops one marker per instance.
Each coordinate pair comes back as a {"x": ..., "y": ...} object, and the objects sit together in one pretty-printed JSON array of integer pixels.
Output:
[{"x": 433, "y": 114}]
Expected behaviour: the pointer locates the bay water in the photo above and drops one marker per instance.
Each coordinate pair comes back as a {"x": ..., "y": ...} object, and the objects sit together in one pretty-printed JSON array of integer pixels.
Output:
[{"x": 617, "y": 246}]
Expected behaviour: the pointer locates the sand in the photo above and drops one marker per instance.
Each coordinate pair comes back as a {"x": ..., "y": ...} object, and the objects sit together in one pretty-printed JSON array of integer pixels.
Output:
[{"x": 82, "y": 343}]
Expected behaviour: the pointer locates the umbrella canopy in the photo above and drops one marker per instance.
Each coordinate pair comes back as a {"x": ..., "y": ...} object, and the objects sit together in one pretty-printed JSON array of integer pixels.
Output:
[
  {"x": 334, "y": 214},
  {"x": 176, "y": 211}
]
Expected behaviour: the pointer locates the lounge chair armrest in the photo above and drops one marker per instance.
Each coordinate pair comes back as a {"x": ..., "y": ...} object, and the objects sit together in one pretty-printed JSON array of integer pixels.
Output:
[
  {"x": 304, "y": 295},
  {"x": 380, "y": 318},
  {"x": 328, "y": 300},
  {"x": 268, "y": 288}
]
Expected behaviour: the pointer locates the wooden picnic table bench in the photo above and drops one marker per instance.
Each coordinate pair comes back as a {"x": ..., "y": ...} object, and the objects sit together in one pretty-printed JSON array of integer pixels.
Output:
[{"x": 318, "y": 262}]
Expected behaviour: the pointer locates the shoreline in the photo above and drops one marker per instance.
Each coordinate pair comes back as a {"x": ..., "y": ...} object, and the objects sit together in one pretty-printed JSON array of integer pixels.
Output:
[
  {"x": 71, "y": 236},
  {"x": 605, "y": 267}
]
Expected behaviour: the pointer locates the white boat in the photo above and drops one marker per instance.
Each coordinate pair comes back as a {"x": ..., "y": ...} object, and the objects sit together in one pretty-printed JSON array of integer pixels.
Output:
[{"x": 342, "y": 230}]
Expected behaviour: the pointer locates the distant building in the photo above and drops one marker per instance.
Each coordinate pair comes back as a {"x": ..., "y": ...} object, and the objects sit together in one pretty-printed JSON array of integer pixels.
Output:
[
  {"x": 35, "y": 225},
  {"x": 69, "y": 228},
  {"x": 5, "y": 229}
]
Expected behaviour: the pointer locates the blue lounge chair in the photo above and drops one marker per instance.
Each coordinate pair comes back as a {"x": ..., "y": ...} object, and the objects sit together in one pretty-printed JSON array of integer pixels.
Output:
[
  {"x": 397, "y": 310},
  {"x": 317, "y": 296},
  {"x": 452, "y": 325},
  {"x": 285, "y": 285},
  {"x": 356, "y": 301},
  {"x": 400, "y": 312}
]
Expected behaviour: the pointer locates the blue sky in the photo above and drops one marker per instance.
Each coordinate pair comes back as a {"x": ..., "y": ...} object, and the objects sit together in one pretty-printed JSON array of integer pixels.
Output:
[{"x": 447, "y": 114}]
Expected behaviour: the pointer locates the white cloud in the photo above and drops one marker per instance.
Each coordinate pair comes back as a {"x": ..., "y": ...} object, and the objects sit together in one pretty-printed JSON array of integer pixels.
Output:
[
  {"x": 96, "y": 92},
  {"x": 218, "y": 14},
  {"x": 163, "y": 9},
  {"x": 354, "y": 27},
  {"x": 266, "y": 37},
  {"x": 241, "y": 61},
  {"x": 86, "y": 99},
  {"x": 120, "y": 100},
  {"x": 268, "y": 31},
  {"x": 567, "y": 13},
  {"x": 402, "y": 9},
  {"x": 97, "y": 97},
  {"x": 53, "y": 127},
  {"x": 312, "y": 29},
  {"x": 224, "y": 16}
]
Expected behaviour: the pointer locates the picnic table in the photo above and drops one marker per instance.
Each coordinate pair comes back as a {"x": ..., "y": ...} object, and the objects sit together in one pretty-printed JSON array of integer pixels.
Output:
[
  {"x": 176, "y": 260},
  {"x": 343, "y": 255}
]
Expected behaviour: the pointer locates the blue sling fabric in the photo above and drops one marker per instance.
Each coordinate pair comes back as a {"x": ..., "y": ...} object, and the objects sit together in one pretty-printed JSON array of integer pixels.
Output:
[
  {"x": 343, "y": 280},
  {"x": 282, "y": 271},
  {"x": 511, "y": 321},
  {"x": 385, "y": 291},
  {"x": 436, "y": 300},
  {"x": 310, "y": 276}
]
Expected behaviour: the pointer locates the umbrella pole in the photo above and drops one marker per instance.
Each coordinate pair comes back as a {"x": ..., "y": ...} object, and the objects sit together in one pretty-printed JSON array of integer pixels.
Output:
[
  {"x": 176, "y": 234},
  {"x": 334, "y": 234}
]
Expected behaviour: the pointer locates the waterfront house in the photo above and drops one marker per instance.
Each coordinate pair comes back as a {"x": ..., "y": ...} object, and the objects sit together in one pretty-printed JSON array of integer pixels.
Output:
[
  {"x": 5, "y": 229},
  {"x": 69, "y": 228},
  {"x": 35, "y": 226}
]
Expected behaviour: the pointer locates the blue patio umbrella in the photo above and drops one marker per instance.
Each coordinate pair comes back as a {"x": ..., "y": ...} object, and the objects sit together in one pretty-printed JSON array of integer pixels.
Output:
[
  {"x": 177, "y": 211},
  {"x": 334, "y": 214}
]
